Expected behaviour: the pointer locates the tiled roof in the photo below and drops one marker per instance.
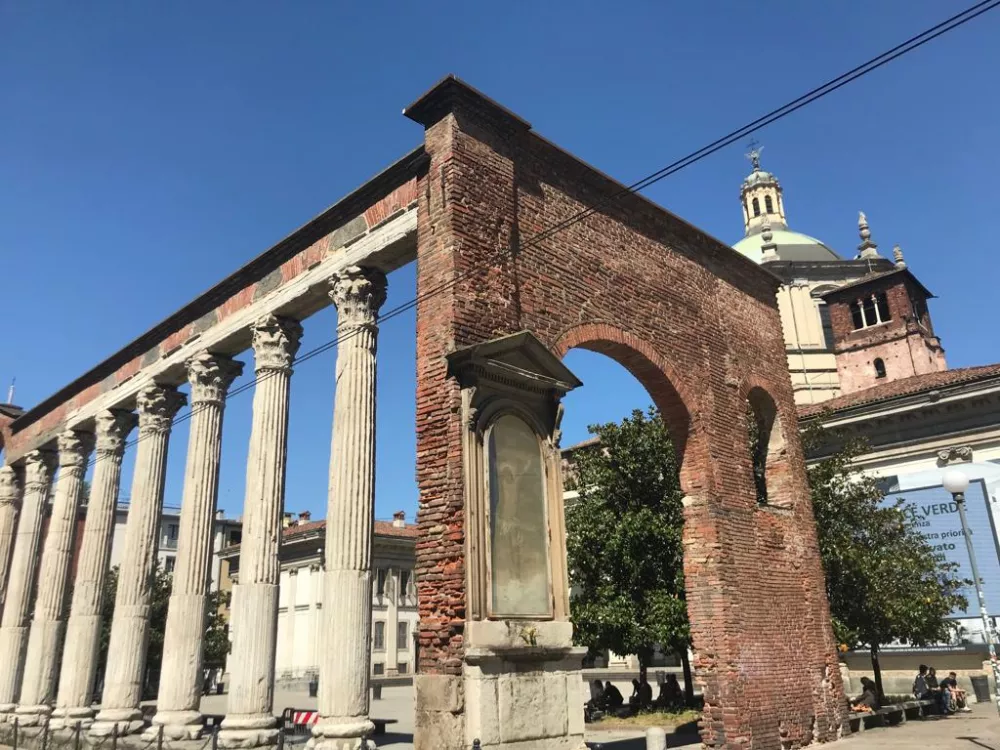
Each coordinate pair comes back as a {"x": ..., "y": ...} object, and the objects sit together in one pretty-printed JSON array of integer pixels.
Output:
[
  {"x": 382, "y": 528},
  {"x": 876, "y": 277},
  {"x": 904, "y": 387}
]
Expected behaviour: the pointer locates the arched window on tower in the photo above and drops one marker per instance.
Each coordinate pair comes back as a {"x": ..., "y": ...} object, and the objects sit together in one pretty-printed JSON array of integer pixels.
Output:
[
  {"x": 879, "y": 368},
  {"x": 756, "y": 207},
  {"x": 768, "y": 206}
]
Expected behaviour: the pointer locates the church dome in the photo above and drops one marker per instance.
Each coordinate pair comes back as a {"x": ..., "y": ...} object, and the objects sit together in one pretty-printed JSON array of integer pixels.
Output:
[
  {"x": 792, "y": 246},
  {"x": 758, "y": 176}
]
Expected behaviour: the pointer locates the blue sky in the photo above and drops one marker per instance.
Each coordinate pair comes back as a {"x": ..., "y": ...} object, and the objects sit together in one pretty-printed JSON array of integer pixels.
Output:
[{"x": 149, "y": 150}]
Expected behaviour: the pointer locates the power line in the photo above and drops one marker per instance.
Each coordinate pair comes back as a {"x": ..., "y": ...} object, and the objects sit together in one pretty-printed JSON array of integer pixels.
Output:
[{"x": 911, "y": 44}]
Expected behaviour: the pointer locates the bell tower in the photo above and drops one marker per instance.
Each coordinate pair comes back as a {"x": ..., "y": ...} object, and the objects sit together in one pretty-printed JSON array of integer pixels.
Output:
[{"x": 761, "y": 197}]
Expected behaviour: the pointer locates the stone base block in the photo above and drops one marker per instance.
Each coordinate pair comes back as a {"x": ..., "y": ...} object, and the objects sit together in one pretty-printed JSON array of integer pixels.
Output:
[
  {"x": 30, "y": 716},
  {"x": 342, "y": 733},
  {"x": 177, "y": 725},
  {"x": 117, "y": 721},
  {"x": 247, "y": 731},
  {"x": 70, "y": 718}
]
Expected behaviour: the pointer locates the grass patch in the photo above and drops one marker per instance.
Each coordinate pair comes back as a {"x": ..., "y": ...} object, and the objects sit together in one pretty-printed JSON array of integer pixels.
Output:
[{"x": 665, "y": 719}]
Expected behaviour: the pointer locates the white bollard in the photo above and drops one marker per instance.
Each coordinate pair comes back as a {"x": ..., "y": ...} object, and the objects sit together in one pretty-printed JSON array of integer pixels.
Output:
[{"x": 656, "y": 739}]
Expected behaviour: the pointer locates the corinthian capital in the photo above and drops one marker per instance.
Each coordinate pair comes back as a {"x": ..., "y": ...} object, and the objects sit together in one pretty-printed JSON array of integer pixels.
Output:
[
  {"x": 358, "y": 293},
  {"x": 113, "y": 427},
  {"x": 157, "y": 405},
  {"x": 39, "y": 466},
  {"x": 210, "y": 376},
  {"x": 10, "y": 488},
  {"x": 74, "y": 449},
  {"x": 275, "y": 342}
]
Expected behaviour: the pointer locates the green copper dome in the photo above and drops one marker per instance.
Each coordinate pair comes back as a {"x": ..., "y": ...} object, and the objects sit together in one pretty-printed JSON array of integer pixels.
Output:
[{"x": 792, "y": 246}]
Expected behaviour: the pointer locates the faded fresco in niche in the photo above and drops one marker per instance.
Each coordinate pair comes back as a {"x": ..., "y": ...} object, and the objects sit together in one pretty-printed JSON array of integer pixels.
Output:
[{"x": 519, "y": 559}]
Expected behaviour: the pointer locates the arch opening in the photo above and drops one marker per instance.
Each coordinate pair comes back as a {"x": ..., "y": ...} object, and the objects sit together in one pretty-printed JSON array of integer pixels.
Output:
[{"x": 768, "y": 453}]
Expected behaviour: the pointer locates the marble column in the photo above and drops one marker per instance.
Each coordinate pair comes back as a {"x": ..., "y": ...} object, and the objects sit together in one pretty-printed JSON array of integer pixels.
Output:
[
  {"x": 83, "y": 629},
  {"x": 46, "y": 636},
  {"x": 250, "y": 719},
  {"x": 126, "y": 665},
  {"x": 181, "y": 675},
  {"x": 345, "y": 662},
  {"x": 39, "y": 466},
  {"x": 10, "y": 503}
]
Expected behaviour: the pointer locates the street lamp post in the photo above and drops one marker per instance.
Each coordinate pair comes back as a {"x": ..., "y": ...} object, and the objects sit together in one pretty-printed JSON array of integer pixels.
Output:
[{"x": 956, "y": 483}]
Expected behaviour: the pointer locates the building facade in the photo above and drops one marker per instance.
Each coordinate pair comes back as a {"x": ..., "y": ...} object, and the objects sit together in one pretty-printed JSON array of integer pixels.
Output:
[{"x": 394, "y": 637}]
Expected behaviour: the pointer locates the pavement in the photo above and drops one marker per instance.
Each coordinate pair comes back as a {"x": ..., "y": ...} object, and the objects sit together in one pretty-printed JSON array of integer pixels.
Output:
[{"x": 979, "y": 730}]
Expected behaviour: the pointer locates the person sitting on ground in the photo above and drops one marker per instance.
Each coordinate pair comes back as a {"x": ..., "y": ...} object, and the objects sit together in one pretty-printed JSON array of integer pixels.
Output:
[
  {"x": 671, "y": 695},
  {"x": 645, "y": 694},
  {"x": 868, "y": 700},
  {"x": 613, "y": 699},
  {"x": 920, "y": 689},
  {"x": 957, "y": 699},
  {"x": 633, "y": 700}
]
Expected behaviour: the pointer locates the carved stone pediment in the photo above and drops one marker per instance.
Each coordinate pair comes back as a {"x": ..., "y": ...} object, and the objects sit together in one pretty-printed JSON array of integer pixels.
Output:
[{"x": 518, "y": 361}]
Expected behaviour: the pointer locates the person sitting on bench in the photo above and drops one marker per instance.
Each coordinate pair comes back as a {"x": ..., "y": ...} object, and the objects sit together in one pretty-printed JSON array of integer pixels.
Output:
[
  {"x": 956, "y": 699},
  {"x": 868, "y": 700}
]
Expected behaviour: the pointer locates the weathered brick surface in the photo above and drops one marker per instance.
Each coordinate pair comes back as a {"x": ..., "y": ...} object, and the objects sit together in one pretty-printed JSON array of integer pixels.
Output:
[
  {"x": 906, "y": 343},
  {"x": 698, "y": 326}
]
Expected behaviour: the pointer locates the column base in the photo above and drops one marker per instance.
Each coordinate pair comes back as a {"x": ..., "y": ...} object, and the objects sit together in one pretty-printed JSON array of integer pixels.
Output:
[
  {"x": 120, "y": 721},
  {"x": 248, "y": 730},
  {"x": 7, "y": 712},
  {"x": 69, "y": 718},
  {"x": 177, "y": 725},
  {"x": 32, "y": 716},
  {"x": 342, "y": 733}
]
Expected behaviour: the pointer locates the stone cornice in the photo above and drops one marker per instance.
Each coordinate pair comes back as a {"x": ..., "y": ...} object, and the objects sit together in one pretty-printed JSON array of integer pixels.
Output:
[
  {"x": 210, "y": 376},
  {"x": 74, "y": 449},
  {"x": 157, "y": 406},
  {"x": 275, "y": 343},
  {"x": 113, "y": 427},
  {"x": 358, "y": 294}
]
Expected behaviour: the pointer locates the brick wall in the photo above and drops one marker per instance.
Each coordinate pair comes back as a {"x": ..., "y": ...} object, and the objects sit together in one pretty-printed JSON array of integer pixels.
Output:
[
  {"x": 906, "y": 344},
  {"x": 698, "y": 325}
]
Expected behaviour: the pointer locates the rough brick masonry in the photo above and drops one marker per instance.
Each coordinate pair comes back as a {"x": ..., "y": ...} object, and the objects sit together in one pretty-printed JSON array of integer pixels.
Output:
[{"x": 697, "y": 324}]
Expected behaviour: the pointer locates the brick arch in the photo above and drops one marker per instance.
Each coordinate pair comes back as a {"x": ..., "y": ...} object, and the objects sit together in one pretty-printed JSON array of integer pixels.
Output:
[{"x": 671, "y": 395}]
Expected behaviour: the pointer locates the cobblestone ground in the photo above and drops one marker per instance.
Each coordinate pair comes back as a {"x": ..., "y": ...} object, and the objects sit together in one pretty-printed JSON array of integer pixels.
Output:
[{"x": 979, "y": 730}]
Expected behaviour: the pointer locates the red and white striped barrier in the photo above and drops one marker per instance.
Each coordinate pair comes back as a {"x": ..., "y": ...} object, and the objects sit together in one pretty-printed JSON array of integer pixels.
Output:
[{"x": 305, "y": 718}]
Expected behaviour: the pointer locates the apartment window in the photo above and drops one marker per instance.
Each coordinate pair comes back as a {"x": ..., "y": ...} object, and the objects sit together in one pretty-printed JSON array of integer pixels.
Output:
[
  {"x": 403, "y": 668},
  {"x": 870, "y": 311},
  {"x": 172, "y": 530},
  {"x": 378, "y": 669},
  {"x": 380, "y": 581},
  {"x": 379, "y": 635},
  {"x": 402, "y": 635},
  {"x": 235, "y": 537},
  {"x": 404, "y": 583},
  {"x": 169, "y": 562}
]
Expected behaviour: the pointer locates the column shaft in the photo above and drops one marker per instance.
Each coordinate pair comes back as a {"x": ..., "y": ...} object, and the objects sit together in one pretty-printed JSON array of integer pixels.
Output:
[
  {"x": 83, "y": 629},
  {"x": 250, "y": 720},
  {"x": 345, "y": 662},
  {"x": 38, "y": 469},
  {"x": 183, "y": 642},
  {"x": 10, "y": 503},
  {"x": 46, "y": 636},
  {"x": 126, "y": 665}
]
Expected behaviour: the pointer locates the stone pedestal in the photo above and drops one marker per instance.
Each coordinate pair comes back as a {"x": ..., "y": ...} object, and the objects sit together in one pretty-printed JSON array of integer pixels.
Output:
[
  {"x": 345, "y": 662},
  {"x": 46, "y": 637},
  {"x": 250, "y": 721},
  {"x": 181, "y": 675},
  {"x": 10, "y": 503},
  {"x": 38, "y": 469},
  {"x": 125, "y": 670},
  {"x": 520, "y": 687},
  {"x": 83, "y": 629}
]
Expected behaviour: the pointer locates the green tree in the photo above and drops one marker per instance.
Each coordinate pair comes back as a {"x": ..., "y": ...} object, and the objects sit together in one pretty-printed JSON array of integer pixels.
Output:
[
  {"x": 624, "y": 541},
  {"x": 216, "y": 642},
  {"x": 883, "y": 580}
]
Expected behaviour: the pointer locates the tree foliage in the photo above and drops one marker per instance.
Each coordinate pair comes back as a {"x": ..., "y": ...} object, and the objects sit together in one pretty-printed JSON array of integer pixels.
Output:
[
  {"x": 216, "y": 643},
  {"x": 624, "y": 540},
  {"x": 883, "y": 580}
]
